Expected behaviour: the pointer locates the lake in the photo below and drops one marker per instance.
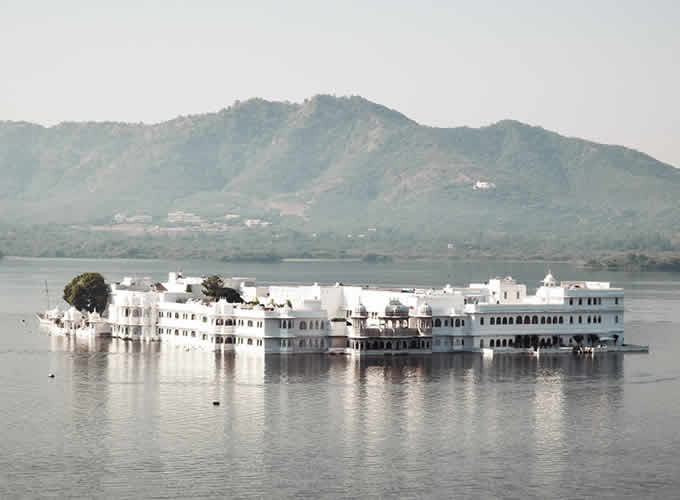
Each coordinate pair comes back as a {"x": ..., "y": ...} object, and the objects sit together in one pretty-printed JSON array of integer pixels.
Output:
[{"x": 131, "y": 420}]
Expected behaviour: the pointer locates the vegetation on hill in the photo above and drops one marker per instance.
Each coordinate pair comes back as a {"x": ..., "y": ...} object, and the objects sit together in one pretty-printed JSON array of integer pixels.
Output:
[
  {"x": 332, "y": 166},
  {"x": 637, "y": 262}
]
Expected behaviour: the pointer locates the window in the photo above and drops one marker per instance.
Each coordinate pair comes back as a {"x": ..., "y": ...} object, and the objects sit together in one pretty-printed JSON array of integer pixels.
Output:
[
  {"x": 518, "y": 320},
  {"x": 250, "y": 323},
  {"x": 549, "y": 320},
  {"x": 580, "y": 302},
  {"x": 534, "y": 320},
  {"x": 571, "y": 320},
  {"x": 616, "y": 300},
  {"x": 554, "y": 320},
  {"x": 505, "y": 321},
  {"x": 193, "y": 316},
  {"x": 176, "y": 315},
  {"x": 580, "y": 319},
  {"x": 527, "y": 320},
  {"x": 437, "y": 322},
  {"x": 616, "y": 319},
  {"x": 571, "y": 301},
  {"x": 481, "y": 321},
  {"x": 517, "y": 295},
  {"x": 493, "y": 321},
  {"x": 250, "y": 341},
  {"x": 561, "y": 319},
  {"x": 510, "y": 320},
  {"x": 505, "y": 295},
  {"x": 589, "y": 301},
  {"x": 446, "y": 322},
  {"x": 303, "y": 325},
  {"x": 543, "y": 320}
]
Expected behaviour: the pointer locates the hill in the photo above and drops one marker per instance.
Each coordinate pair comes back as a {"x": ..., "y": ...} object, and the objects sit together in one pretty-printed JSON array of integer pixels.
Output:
[{"x": 342, "y": 165}]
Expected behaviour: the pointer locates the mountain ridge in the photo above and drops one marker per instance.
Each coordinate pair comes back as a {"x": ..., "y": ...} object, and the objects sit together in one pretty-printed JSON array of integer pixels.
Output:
[{"x": 335, "y": 164}]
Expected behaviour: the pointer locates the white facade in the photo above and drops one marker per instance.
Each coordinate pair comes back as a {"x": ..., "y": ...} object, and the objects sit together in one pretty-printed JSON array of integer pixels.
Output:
[{"x": 497, "y": 315}]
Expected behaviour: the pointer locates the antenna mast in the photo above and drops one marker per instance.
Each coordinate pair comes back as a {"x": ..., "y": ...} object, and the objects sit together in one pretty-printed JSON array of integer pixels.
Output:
[{"x": 47, "y": 294}]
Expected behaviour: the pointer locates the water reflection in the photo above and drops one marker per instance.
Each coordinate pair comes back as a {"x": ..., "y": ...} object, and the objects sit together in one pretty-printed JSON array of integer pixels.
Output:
[{"x": 454, "y": 417}]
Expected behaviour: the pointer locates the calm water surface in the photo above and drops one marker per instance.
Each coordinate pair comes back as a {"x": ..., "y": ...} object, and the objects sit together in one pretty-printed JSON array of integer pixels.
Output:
[{"x": 135, "y": 420}]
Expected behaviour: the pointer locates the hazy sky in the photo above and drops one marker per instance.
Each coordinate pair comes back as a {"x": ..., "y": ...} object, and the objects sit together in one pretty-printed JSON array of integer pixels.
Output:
[{"x": 602, "y": 70}]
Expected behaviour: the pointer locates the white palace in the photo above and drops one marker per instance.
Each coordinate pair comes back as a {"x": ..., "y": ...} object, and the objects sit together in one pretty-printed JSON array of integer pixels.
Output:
[{"x": 496, "y": 316}]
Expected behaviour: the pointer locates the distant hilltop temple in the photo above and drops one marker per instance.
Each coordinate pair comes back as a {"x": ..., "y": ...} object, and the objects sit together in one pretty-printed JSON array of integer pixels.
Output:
[{"x": 495, "y": 316}]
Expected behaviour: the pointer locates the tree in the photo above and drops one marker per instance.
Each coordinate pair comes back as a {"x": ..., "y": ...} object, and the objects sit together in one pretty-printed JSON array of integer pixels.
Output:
[
  {"x": 87, "y": 292},
  {"x": 213, "y": 287}
]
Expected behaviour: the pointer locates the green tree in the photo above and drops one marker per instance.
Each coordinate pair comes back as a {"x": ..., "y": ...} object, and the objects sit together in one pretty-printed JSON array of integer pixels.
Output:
[
  {"x": 87, "y": 292},
  {"x": 213, "y": 287}
]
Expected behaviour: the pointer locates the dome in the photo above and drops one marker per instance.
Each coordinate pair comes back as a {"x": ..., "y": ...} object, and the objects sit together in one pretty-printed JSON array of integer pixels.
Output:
[
  {"x": 549, "y": 279},
  {"x": 396, "y": 308},
  {"x": 425, "y": 309},
  {"x": 359, "y": 310}
]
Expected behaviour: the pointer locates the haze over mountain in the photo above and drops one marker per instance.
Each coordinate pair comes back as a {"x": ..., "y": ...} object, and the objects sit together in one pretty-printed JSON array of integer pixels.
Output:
[{"x": 337, "y": 165}]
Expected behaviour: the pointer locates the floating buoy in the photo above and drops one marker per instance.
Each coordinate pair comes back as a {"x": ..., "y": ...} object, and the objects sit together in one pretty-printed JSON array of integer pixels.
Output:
[
  {"x": 51, "y": 375},
  {"x": 216, "y": 403}
]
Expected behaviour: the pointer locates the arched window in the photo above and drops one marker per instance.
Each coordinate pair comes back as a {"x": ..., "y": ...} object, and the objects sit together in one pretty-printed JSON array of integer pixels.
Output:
[
  {"x": 534, "y": 320},
  {"x": 389, "y": 345},
  {"x": 303, "y": 325},
  {"x": 301, "y": 343},
  {"x": 493, "y": 321},
  {"x": 505, "y": 343},
  {"x": 588, "y": 319},
  {"x": 481, "y": 321},
  {"x": 458, "y": 321},
  {"x": 580, "y": 319},
  {"x": 481, "y": 343},
  {"x": 561, "y": 319},
  {"x": 437, "y": 323},
  {"x": 527, "y": 320},
  {"x": 510, "y": 320},
  {"x": 571, "y": 320},
  {"x": 498, "y": 321},
  {"x": 316, "y": 324},
  {"x": 250, "y": 323},
  {"x": 554, "y": 320},
  {"x": 491, "y": 343},
  {"x": 543, "y": 320},
  {"x": 505, "y": 320},
  {"x": 549, "y": 320},
  {"x": 518, "y": 320},
  {"x": 323, "y": 325}
]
